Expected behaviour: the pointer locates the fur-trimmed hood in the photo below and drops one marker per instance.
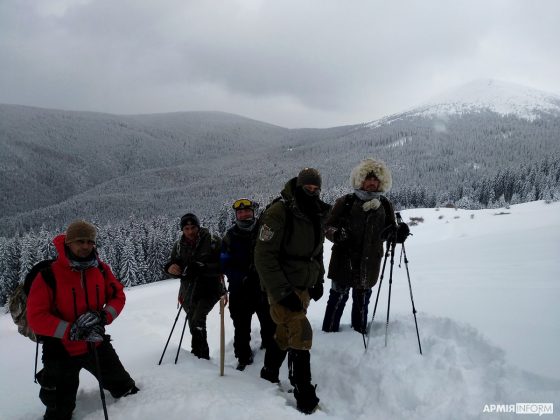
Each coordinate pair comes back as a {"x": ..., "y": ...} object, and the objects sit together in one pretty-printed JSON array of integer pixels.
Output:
[{"x": 378, "y": 167}]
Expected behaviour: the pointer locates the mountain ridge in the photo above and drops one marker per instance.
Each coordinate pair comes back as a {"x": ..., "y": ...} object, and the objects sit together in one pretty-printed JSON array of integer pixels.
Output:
[
  {"x": 57, "y": 166},
  {"x": 503, "y": 98}
]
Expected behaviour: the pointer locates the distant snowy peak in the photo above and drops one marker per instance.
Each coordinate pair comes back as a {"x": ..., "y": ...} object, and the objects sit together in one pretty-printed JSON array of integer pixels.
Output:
[
  {"x": 500, "y": 97},
  {"x": 485, "y": 95}
]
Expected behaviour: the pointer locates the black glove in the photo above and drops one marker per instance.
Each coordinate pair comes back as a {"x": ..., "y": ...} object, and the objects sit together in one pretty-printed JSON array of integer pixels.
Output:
[
  {"x": 340, "y": 235},
  {"x": 103, "y": 318},
  {"x": 316, "y": 292},
  {"x": 292, "y": 302},
  {"x": 87, "y": 328},
  {"x": 403, "y": 231},
  {"x": 89, "y": 319},
  {"x": 389, "y": 233}
]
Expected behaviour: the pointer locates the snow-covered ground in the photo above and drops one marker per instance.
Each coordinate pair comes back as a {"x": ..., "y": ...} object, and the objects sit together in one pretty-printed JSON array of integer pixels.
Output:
[{"x": 487, "y": 289}]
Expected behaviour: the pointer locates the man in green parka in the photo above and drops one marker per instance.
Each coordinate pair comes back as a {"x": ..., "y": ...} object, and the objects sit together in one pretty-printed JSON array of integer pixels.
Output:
[{"x": 289, "y": 260}]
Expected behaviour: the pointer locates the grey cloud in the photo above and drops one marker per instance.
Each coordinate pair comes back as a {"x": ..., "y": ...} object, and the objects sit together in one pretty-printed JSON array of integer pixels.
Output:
[{"x": 333, "y": 61}]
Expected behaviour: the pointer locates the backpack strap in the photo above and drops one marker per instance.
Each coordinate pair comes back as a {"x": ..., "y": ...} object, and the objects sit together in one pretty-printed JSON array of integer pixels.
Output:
[
  {"x": 289, "y": 226},
  {"x": 49, "y": 279}
]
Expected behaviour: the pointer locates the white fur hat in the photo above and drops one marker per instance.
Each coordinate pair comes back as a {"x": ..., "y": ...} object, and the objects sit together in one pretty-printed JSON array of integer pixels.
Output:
[{"x": 378, "y": 167}]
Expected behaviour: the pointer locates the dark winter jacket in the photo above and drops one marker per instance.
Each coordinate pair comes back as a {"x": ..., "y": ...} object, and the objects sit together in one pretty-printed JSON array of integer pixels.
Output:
[
  {"x": 200, "y": 263},
  {"x": 356, "y": 261},
  {"x": 237, "y": 259},
  {"x": 77, "y": 292},
  {"x": 289, "y": 250}
]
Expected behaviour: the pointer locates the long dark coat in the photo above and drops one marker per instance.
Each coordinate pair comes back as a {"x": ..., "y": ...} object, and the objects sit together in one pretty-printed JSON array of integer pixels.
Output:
[{"x": 356, "y": 262}]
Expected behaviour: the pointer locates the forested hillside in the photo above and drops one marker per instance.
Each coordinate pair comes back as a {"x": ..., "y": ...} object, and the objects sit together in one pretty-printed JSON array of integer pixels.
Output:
[
  {"x": 57, "y": 166},
  {"x": 487, "y": 144}
]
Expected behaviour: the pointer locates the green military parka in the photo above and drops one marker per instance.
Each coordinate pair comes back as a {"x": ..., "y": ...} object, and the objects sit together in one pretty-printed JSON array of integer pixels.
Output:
[{"x": 289, "y": 249}]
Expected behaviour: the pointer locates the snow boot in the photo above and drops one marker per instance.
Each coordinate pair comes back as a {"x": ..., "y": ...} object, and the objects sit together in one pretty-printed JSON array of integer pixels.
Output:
[
  {"x": 273, "y": 359},
  {"x": 270, "y": 375},
  {"x": 243, "y": 362},
  {"x": 199, "y": 344},
  {"x": 335, "y": 308},
  {"x": 306, "y": 398},
  {"x": 131, "y": 391}
]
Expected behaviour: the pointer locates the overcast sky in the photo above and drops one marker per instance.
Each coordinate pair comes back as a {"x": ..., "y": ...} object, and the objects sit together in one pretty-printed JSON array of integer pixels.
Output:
[{"x": 295, "y": 63}]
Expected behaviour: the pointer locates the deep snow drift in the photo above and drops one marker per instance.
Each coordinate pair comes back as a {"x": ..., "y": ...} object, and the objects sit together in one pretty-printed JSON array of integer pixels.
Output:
[{"x": 486, "y": 287}]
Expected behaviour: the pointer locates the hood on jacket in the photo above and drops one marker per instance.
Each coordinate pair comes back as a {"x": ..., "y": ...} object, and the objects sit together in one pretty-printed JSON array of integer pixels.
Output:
[
  {"x": 60, "y": 245},
  {"x": 288, "y": 192},
  {"x": 378, "y": 167}
]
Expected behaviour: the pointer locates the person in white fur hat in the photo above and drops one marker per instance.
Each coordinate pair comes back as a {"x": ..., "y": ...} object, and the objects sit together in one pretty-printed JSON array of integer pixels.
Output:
[{"x": 355, "y": 227}]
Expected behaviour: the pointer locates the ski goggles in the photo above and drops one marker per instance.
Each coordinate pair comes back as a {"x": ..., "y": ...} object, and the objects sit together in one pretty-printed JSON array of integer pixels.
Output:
[{"x": 243, "y": 203}]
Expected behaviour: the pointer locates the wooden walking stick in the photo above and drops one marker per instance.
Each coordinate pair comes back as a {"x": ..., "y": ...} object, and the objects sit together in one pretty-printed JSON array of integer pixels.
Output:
[
  {"x": 223, "y": 303},
  {"x": 222, "y": 335}
]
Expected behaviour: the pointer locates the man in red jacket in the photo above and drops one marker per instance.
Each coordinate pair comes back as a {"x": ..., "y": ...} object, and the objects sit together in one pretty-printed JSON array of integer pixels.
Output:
[{"x": 71, "y": 319}]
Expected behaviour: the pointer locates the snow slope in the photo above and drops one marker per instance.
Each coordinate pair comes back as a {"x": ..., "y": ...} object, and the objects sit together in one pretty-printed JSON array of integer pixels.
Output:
[
  {"x": 494, "y": 95},
  {"x": 482, "y": 95},
  {"x": 486, "y": 288}
]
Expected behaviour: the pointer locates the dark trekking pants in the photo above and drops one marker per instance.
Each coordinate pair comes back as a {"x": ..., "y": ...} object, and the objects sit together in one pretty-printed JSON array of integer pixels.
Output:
[
  {"x": 335, "y": 308},
  {"x": 59, "y": 379},
  {"x": 197, "y": 314},
  {"x": 360, "y": 304},
  {"x": 338, "y": 297},
  {"x": 242, "y": 306}
]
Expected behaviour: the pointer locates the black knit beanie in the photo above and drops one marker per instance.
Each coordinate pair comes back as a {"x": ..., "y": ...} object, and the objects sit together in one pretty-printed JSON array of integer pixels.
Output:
[
  {"x": 189, "y": 219},
  {"x": 309, "y": 176}
]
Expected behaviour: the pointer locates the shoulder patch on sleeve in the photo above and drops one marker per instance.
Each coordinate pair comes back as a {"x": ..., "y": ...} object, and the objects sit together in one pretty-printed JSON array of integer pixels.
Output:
[{"x": 265, "y": 233}]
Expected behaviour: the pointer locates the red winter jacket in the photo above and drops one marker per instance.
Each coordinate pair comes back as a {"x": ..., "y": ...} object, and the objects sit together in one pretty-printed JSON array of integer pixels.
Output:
[{"x": 76, "y": 293}]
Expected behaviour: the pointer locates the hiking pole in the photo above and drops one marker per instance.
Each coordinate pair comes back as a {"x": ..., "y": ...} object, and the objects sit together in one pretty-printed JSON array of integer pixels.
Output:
[
  {"x": 36, "y": 357},
  {"x": 222, "y": 336},
  {"x": 377, "y": 297},
  {"x": 181, "y": 340},
  {"x": 411, "y": 298},
  {"x": 168, "y": 338},
  {"x": 99, "y": 379},
  {"x": 362, "y": 319},
  {"x": 393, "y": 245}
]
